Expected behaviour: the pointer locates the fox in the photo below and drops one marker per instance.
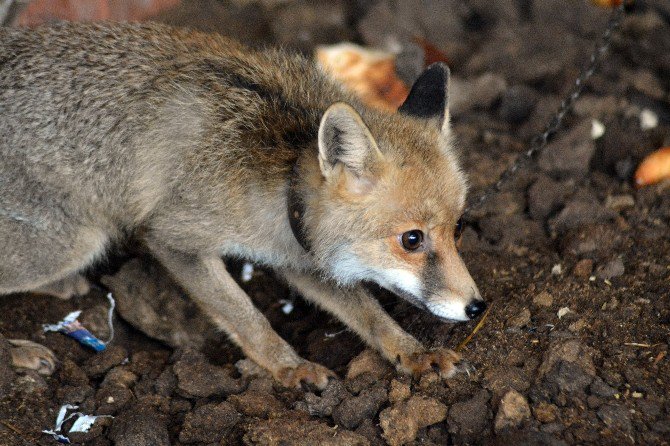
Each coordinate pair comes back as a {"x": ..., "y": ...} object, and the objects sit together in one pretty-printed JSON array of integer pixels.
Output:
[{"x": 204, "y": 149}]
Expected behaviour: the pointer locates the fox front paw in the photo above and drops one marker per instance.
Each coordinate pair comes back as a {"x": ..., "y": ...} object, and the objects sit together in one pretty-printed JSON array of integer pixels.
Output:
[
  {"x": 32, "y": 356},
  {"x": 305, "y": 373},
  {"x": 441, "y": 360}
]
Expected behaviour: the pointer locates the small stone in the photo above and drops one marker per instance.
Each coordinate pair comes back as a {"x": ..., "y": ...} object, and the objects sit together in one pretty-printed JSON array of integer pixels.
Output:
[
  {"x": 616, "y": 417},
  {"x": 619, "y": 202},
  {"x": 583, "y": 269},
  {"x": 331, "y": 396},
  {"x": 197, "y": 378},
  {"x": 256, "y": 404},
  {"x": 291, "y": 431},
  {"x": 139, "y": 425},
  {"x": 546, "y": 196},
  {"x": 570, "y": 351},
  {"x": 99, "y": 364},
  {"x": 120, "y": 376},
  {"x": 208, "y": 423},
  {"x": 402, "y": 422},
  {"x": 469, "y": 418},
  {"x": 399, "y": 391},
  {"x": 544, "y": 299},
  {"x": 517, "y": 103},
  {"x": 610, "y": 270},
  {"x": 512, "y": 411},
  {"x": 478, "y": 93},
  {"x": 368, "y": 361},
  {"x": 545, "y": 412},
  {"x": 353, "y": 410},
  {"x": 522, "y": 319},
  {"x": 557, "y": 270},
  {"x": 571, "y": 153},
  {"x": 578, "y": 325}
]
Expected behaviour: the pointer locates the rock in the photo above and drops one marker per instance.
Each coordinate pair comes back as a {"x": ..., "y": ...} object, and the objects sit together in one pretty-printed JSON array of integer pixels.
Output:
[
  {"x": 99, "y": 364},
  {"x": 619, "y": 202},
  {"x": 546, "y": 196},
  {"x": 331, "y": 396},
  {"x": 600, "y": 388},
  {"x": 119, "y": 376},
  {"x": 610, "y": 270},
  {"x": 31, "y": 383},
  {"x": 401, "y": 422},
  {"x": 512, "y": 411},
  {"x": 570, "y": 154},
  {"x": 302, "y": 24},
  {"x": 353, "y": 410},
  {"x": 197, "y": 378},
  {"x": 543, "y": 299},
  {"x": 519, "y": 320},
  {"x": 399, "y": 391},
  {"x": 499, "y": 380},
  {"x": 7, "y": 374},
  {"x": 568, "y": 351},
  {"x": 256, "y": 404},
  {"x": 140, "y": 425},
  {"x": 583, "y": 269},
  {"x": 545, "y": 412},
  {"x": 580, "y": 212},
  {"x": 517, "y": 104},
  {"x": 166, "y": 383},
  {"x": 568, "y": 377},
  {"x": 616, "y": 417},
  {"x": 111, "y": 398},
  {"x": 476, "y": 93},
  {"x": 70, "y": 373},
  {"x": 296, "y": 432},
  {"x": 368, "y": 361},
  {"x": 471, "y": 417},
  {"x": 209, "y": 423}
]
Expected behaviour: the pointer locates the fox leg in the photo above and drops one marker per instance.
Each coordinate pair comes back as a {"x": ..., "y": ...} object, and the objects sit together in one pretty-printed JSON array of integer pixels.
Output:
[
  {"x": 206, "y": 280},
  {"x": 360, "y": 311}
]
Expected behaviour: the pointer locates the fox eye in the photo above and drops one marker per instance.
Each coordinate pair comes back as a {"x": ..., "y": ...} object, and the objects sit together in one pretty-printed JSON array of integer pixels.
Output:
[
  {"x": 412, "y": 240},
  {"x": 458, "y": 230}
]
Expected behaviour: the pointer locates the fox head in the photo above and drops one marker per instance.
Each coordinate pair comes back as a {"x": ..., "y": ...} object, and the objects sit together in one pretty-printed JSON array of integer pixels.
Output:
[{"x": 390, "y": 201}]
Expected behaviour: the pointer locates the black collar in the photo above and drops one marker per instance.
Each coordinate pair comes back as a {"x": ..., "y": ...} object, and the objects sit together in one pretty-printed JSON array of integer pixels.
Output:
[{"x": 296, "y": 210}]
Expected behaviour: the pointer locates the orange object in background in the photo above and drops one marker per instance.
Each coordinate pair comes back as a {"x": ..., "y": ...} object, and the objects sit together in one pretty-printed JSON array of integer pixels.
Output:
[
  {"x": 654, "y": 168},
  {"x": 371, "y": 74},
  {"x": 45, "y": 11},
  {"x": 607, "y": 3}
]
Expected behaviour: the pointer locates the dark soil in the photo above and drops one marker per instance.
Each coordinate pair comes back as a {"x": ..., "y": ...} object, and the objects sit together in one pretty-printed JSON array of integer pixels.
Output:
[{"x": 573, "y": 260}]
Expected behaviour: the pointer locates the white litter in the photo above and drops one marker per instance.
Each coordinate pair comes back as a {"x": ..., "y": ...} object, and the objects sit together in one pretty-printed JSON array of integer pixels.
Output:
[
  {"x": 83, "y": 423},
  {"x": 287, "y": 306},
  {"x": 247, "y": 272},
  {"x": 597, "y": 129},
  {"x": 563, "y": 311},
  {"x": 648, "y": 119},
  {"x": 556, "y": 270}
]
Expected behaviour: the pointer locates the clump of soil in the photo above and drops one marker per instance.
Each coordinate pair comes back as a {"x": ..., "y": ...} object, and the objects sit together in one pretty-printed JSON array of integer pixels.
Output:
[{"x": 573, "y": 260}]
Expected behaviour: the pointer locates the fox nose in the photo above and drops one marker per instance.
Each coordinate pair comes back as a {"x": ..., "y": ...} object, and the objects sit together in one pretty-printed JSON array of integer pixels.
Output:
[{"x": 475, "y": 308}]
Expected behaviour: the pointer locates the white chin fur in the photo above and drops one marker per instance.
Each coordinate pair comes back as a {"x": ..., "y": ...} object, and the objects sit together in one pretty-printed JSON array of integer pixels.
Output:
[
  {"x": 403, "y": 280},
  {"x": 454, "y": 311}
]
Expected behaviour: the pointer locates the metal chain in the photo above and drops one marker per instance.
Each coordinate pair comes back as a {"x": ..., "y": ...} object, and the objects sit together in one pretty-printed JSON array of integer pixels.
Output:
[{"x": 541, "y": 140}]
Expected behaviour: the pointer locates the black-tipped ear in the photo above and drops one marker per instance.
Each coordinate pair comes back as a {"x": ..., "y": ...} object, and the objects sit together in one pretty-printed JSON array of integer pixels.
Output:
[
  {"x": 429, "y": 96},
  {"x": 344, "y": 138}
]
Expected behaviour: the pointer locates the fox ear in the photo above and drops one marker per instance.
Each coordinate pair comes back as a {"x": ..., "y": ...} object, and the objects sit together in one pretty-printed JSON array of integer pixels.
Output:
[
  {"x": 345, "y": 139},
  {"x": 429, "y": 96}
]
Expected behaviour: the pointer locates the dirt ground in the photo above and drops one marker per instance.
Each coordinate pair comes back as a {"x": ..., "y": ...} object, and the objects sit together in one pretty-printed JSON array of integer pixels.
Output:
[{"x": 573, "y": 260}]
